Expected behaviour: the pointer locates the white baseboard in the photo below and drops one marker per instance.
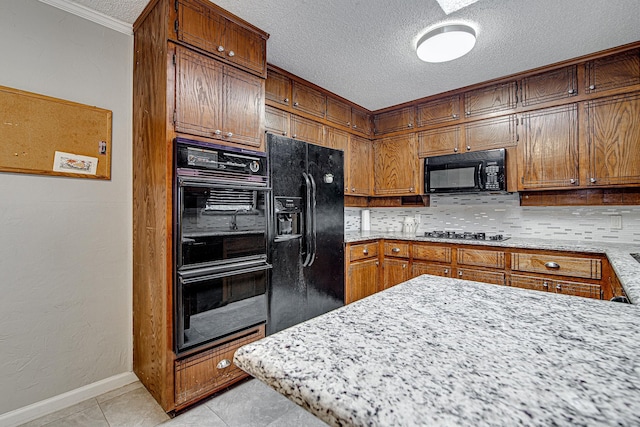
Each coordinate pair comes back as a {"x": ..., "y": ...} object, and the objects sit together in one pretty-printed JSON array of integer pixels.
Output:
[{"x": 61, "y": 401}]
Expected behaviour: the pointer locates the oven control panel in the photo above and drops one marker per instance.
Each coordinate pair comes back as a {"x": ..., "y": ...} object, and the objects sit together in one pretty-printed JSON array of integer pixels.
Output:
[{"x": 196, "y": 155}]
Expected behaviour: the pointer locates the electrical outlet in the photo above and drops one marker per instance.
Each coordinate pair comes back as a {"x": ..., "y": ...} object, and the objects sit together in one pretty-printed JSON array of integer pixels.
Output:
[{"x": 616, "y": 222}]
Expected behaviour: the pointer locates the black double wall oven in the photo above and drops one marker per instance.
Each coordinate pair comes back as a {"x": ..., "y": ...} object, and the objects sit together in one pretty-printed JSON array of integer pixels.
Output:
[{"x": 220, "y": 236}]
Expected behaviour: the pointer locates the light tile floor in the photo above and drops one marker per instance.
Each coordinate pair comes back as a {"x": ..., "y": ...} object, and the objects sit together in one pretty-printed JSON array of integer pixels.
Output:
[{"x": 249, "y": 404}]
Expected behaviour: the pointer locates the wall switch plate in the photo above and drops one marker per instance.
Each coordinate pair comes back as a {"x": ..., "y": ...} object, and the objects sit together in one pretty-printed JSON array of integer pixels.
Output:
[{"x": 616, "y": 222}]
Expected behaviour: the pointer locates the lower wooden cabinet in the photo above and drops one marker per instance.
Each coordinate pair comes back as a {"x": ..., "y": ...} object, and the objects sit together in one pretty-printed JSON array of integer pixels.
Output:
[
  {"x": 362, "y": 271},
  {"x": 587, "y": 290},
  {"x": 394, "y": 271},
  {"x": 420, "y": 268},
  {"x": 493, "y": 277},
  {"x": 204, "y": 373}
]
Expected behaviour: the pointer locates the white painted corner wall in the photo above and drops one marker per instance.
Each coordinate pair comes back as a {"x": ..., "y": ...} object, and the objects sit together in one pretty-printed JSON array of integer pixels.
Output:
[{"x": 65, "y": 243}]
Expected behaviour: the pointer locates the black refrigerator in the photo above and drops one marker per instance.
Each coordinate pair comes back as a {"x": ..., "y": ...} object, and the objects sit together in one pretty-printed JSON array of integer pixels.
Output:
[{"x": 306, "y": 238}]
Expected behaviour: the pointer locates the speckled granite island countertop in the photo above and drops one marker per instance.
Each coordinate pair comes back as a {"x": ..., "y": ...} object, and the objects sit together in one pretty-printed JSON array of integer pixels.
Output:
[
  {"x": 627, "y": 269},
  {"x": 445, "y": 352}
]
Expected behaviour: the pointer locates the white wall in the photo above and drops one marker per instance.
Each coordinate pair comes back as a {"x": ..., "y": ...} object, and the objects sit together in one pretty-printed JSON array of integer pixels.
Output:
[{"x": 65, "y": 243}]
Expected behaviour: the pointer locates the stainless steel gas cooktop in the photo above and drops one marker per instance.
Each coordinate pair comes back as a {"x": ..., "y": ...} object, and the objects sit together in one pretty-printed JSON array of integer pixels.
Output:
[{"x": 466, "y": 235}]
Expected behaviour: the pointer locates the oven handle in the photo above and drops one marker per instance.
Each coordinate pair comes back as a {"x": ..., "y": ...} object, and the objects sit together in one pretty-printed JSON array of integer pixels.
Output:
[
  {"x": 190, "y": 279},
  {"x": 308, "y": 221},
  {"x": 207, "y": 183}
]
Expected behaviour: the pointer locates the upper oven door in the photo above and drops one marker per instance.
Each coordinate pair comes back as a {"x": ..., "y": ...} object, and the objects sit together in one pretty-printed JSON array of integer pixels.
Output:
[{"x": 219, "y": 224}]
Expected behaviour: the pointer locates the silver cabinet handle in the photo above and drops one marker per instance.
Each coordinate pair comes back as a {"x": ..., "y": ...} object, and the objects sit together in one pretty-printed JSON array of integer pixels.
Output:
[
  {"x": 404, "y": 265},
  {"x": 455, "y": 116},
  {"x": 545, "y": 285},
  {"x": 558, "y": 287},
  {"x": 365, "y": 252},
  {"x": 592, "y": 87},
  {"x": 572, "y": 181},
  {"x": 220, "y": 48},
  {"x": 468, "y": 147},
  {"x": 377, "y": 262},
  {"x": 460, "y": 273},
  {"x": 455, "y": 149},
  {"x": 446, "y": 271},
  {"x": 284, "y": 133},
  {"x": 286, "y": 100},
  {"x": 592, "y": 180},
  {"x": 224, "y": 363},
  {"x": 468, "y": 113},
  {"x": 218, "y": 132},
  {"x": 572, "y": 91},
  {"x": 395, "y": 250},
  {"x": 552, "y": 264},
  {"x": 229, "y": 134},
  {"x": 295, "y": 104},
  {"x": 410, "y": 125},
  {"x": 355, "y": 126},
  {"x": 232, "y": 53},
  {"x": 411, "y": 189},
  {"x": 294, "y": 135}
]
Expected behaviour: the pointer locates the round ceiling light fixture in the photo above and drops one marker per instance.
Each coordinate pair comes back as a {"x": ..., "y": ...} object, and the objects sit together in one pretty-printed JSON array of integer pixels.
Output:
[{"x": 446, "y": 43}]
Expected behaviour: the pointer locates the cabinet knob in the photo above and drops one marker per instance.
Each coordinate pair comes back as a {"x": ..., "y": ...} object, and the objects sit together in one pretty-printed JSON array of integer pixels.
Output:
[
  {"x": 224, "y": 363},
  {"x": 410, "y": 125},
  {"x": 592, "y": 87},
  {"x": 404, "y": 265},
  {"x": 284, "y": 133},
  {"x": 229, "y": 134},
  {"x": 455, "y": 116},
  {"x": 460, "y": 273},
  {"x": 572, "y": 181},
  {"x": 552, "y": 264},
  {"x": 217, "y": 132},
  {"x": 411, "y": 189},
  {"x": 558, "y": 287},
  {"x": 355, "y": 126},
  {"x": 294, "y": 135},
  {"x": 572, "y": 91},
  {"x": 395, "y": 250},
  {"x": 365, "y": 252},
  {"x": 592, "y": 180},
  {"x": 220, "y": 48},
  {"x": 286, "y": 100},
  {"x": 446, "y": 271},
  {"x": 468, "y": 147},
  {"x": 295, "y": 104},
  {"x": 232, "y": 53},
  {"x": 545, "y": 285},
  {"x": 468, "y": 113},
  {"x": 377, "y": 263},
  {"x": 455, "y": 149}
]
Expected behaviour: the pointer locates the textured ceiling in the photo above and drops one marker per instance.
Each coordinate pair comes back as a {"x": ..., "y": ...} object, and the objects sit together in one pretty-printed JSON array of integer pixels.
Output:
[{"x": 364, "y": 50}]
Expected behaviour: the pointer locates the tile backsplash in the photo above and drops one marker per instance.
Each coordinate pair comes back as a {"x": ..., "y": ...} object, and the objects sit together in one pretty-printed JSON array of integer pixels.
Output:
[{"x": 503, "y": 214}]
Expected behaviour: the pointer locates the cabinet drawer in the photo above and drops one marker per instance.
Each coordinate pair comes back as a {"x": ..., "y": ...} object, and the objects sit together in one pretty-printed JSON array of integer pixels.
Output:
[
  {"x": 396, "y": 249},
  {"x": 204, "y": 373},
  {"x": 492, "y": 277},
  {"x": 586, "y": 290},
  {"x": 419, "y": 268},
  {"x": 363, "y": 250},
  {"x": 481, "y": 258},
  {"x": 589, "y": 268},
  {"x": 431, "y": 253}
]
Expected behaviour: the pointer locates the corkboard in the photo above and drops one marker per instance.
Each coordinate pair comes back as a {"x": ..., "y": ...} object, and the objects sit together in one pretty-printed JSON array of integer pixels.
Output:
[{"x": 36, "y": 129}]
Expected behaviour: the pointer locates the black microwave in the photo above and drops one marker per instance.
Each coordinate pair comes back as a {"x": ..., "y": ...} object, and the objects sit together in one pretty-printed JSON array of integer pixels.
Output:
[{"x": 465, "y": 173}]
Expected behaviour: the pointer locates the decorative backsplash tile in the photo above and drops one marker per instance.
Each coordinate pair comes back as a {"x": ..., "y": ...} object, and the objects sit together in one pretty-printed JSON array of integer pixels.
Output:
[{"x": 502, "y": 214}]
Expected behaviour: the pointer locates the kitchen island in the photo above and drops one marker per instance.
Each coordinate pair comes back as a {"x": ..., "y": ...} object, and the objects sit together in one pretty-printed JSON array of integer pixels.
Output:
[{"x": 439, "y": 351}]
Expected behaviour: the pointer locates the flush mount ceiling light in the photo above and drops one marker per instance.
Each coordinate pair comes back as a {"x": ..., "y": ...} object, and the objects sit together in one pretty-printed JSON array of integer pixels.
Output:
[{"x": 446, "y": 43}]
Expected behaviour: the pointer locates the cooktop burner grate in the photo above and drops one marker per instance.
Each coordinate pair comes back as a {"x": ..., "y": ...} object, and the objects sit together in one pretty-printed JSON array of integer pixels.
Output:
[{"x": 464, "y": 235}]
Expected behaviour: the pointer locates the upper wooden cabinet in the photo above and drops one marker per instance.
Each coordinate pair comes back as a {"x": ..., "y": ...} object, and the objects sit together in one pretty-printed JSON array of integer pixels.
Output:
[
  {"x": 307, "y": 130},
  {"x": 436, "y": 142},
  {"x": 613, "y": 140},
  {"x": 308, "y": 100},
  {"x": 550, "y": 86},
  {"x": 360, "y": 121},
  {"x": 396, "y": 166},
  {"x": 394, "y": 121},
  {"x": 278, "y": 88},
  {"x": 336, "y": 138},
  {"x": 491, "y": 99},
  {"x": 360, "y": 170},
  {"x": 548, "y": 153},
  {"x": 613, "y": 72},
  {"x": 216, "y": 101},
  {"x": 276, "y": 121},
  {"x": 499, "y": 132},
  {"x": 338, "y": 112},
  {"x": 438, "y": 111},
  {"x": 206, "y": 27}
]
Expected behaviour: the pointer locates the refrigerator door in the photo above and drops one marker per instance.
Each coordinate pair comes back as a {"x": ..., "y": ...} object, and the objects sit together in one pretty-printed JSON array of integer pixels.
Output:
[{"x": 325, "y": 276}]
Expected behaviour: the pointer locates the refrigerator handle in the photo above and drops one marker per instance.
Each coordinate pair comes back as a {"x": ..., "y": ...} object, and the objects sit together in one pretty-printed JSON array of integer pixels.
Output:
[
  {"x": 308, "y": 220},
  {"x": 313, "y": 233}
]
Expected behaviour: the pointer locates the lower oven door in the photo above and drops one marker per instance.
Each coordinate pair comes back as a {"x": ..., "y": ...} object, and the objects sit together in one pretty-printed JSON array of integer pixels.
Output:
[{"x": 214, "y": 302}]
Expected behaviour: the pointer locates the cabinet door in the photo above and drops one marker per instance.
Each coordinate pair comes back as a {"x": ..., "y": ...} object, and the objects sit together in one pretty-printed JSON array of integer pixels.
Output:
[
  {"x": 245, "y": 48},
  {"x": 396, "y": 249},
  {"x": 199, "y": 26},
  {"x": 487, "y": 134},
  {"x": 438, "y": 111},
  {"x": 276, "y": 121},
  {"x": 561, "y": 265},
  {"x": 394, "y": 271},
  {"x": 481, "y": 258},
  {"x": 491, "y": 99},
  {"x": 586, "y": 290},
  {"x": 613, "y": 135},
  {"x": 437, "y": 142},
  {"x": 428, "y": 252},
  {"x": 278, "y": 88},
  {"x": 362, "y": 280},
  {"x": 613, "y": 72},
  {"x": 549, "y": 86},
  {"x": 338, "y": 112},
  {"x": 548, "y": 153},
  {"x": 420, "y": 268},
  {"x": 393, "y": 121},
  {"x": 243, "y": 108},
  {"x": 396, "y": 165},
  {"x": 360, "y": 121},
  {"x": 360, "y": 166},
  {"x": 309, "y": 100},
  {"x": 363, "y": 250},
  {"x": 531, "y": 282},
  {"x": 306, "y": 130},
  {"x": 493, "y": 277},
  {"x": 335, "y": 138},
  {"x": 198, "y": 94}
]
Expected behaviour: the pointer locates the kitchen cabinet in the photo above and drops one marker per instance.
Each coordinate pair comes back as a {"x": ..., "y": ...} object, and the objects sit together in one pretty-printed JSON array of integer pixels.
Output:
[
  {"x": 492, "y": 99},
  {"x": 336, "y": 138},
  {"x": 216, "y": 101},
  {"x": 308, "y": 100},
  {"x": 204, "y": 26},
  {"x": 480, "y": 258},
  {"x": 586, "y": 290},
  {"x": 612, "y": 72},
  {"x": 278, "y": 88},
  {"x": 499, "y": 132},
  {"x": 276, "y": 121},
  {"x": 612, "y": 135},
  {"x": 438, "y": 111},
  {"x": 394, "y": 121},
  {"x": 338, "y": 112},
  {"x": 554, "y": 85},
  {"x": 419, "y": 268},
  {"x": 187, "y": 89},
  {"x": 307, "y": 130},
  {"x": 555, "y": 264},
  {"x": 360, "y": 121},
  {"x": 431, "y": 259},
  {"x": 396, "y": 166},
  {"x": 484, "y": 276},
  {"x": 362, "y": 271},
  {"x": 438, "y": 142},
  {"x": 395, "y": 265},
  {"x": 548, "y": 156},
  {"x": 360, "y": 172}
]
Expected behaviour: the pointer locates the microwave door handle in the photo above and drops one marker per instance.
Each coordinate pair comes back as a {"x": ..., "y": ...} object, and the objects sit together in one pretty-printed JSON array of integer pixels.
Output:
[
  {"x": 308, "y": 221},
  {"x": 480, "y": 184}
]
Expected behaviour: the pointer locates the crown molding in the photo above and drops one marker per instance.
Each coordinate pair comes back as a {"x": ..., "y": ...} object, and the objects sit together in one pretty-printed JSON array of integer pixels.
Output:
[{"x": 91, "y": 15}]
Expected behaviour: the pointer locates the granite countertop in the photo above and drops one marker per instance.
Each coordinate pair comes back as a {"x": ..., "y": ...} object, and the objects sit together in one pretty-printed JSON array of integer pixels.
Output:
[
  {"x": 437, "y": 351},
  {"x": 626, "y": 267}
]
